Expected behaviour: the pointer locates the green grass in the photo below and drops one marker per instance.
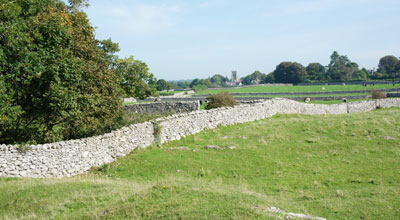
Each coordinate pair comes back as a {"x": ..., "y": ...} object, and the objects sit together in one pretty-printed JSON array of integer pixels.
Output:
[
  {"x": 296, "y": 95},
  {"x": 329, "y": 102},
  {"x": 203, "y": 106},
  {"x": 165, "y": 93},
  {"x": 332, "y": 166},
  {"x": 328, "y": 88}
]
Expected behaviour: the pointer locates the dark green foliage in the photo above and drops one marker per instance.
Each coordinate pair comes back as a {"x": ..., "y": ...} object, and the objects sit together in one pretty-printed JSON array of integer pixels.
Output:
[
  {"x": 223, "y": 99},
  {"x": 218, "y": 80},
  {"x": 55, "y": 82},
  {"x": 288, "y": 72},
  {"x": 360, "y": 74},
  {"x": 270, "y": 78},
  {"x": 162, "y": 85},
  {"x": 316, "y": 72},
  {"x": 341, "y": 68},
  {"x": 135, "y": 79},
  {"x": 389, "y": 65},
  {"x": 182, "y": 84},
  {"x": 255, "y": 78}
]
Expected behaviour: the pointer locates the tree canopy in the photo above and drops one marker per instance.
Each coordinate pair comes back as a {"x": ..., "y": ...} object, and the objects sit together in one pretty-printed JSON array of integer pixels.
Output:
[
  {"x": 288, "y": 72},
  {"x": 316, "y": 72},
  {"x": 255, "y": 78},
  {"x": 135, "y": 78},
  {"x": 55, "y": 81},
  {"x": 389, "y": 65},
  {"x": 341, "y": 68}
]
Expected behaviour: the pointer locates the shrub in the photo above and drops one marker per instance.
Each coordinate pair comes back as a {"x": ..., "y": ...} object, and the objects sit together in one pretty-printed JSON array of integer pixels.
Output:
[
  {"x": 224, "y": 99},
  {"x": 55, "y": 80},
  {"x": 377, "y": 94}
]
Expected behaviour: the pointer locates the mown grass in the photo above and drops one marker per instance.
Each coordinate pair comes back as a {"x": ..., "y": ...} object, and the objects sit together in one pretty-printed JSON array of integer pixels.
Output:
[
  {"x": 332, "y": 166},
  {"x": 328, "y": 88}
]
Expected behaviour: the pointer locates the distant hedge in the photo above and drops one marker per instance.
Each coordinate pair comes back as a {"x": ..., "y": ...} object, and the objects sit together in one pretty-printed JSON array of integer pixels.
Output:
[{"x": 55, "y": 80}]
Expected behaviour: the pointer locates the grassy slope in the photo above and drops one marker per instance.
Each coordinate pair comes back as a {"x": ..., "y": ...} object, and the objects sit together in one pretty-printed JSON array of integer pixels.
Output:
[
  {"x": 337, "y": 167},
  {"x": 328, "y": 88}
]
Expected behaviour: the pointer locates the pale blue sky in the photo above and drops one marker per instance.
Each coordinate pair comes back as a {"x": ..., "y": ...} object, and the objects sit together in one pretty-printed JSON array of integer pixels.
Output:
[{"x": 196, "y": 39}]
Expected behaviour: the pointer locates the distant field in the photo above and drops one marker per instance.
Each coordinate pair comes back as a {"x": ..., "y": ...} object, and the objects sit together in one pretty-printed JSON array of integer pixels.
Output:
[
  {"x": 331, "y": 166},
  {"x": 295, "y": 95},
  {"x": 328, "y": 88},
  {"x": 329, "y": 102}
]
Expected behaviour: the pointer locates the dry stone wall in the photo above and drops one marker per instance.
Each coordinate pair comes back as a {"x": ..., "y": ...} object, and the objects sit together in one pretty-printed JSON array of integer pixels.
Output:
[
  {"x": 73, "y": 157},
  {"x": 162, "y": 107}
]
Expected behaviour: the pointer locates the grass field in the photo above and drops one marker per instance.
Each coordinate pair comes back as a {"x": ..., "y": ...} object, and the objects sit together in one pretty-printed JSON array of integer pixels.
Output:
[
  {"x": 328, "y": 88},
  {"x": 295, "y": 95},
  {"x": 329, "y": 102},
  {"x": 331, "y": 166}
]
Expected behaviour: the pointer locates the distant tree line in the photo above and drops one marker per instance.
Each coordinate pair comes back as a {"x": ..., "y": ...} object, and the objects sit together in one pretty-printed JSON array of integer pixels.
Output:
[
  {"x": 340, "y": 68},
  {"x": 215, "y": 81}
]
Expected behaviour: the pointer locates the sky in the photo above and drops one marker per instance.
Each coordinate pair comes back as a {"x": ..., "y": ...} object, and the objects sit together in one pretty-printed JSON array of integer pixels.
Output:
[{"x": 182, "y": 40}]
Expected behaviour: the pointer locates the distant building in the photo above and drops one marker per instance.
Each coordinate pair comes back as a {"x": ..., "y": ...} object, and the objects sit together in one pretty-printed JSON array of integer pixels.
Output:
[
  {"x": 234, "y": 77},
  {"x": 235, "y": 80}
]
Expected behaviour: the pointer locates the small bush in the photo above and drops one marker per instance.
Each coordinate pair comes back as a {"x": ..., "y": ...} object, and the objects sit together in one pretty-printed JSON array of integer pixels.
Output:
[
  {"x": 377, "y": 95},
  {"x": 157, "y": 133},
  {"x": 223, "y": 99}
]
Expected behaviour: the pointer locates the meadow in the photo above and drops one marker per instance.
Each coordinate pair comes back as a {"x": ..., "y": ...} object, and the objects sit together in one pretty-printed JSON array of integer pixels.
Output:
[{"x": 330, "y": 166}]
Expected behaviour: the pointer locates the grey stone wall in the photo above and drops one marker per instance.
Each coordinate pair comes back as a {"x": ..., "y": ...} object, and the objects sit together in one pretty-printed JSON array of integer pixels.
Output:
[
  {"x": 75, "y": 156},
  {"x": 162, "y": 107},
  {"x": 393, "y": 95},
  {"x": 78, "y": 156}
]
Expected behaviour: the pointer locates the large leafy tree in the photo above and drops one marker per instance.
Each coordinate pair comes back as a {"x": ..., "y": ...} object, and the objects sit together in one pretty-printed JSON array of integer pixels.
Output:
[
  {"x": 316, "y": 72},
  {"x": 218, "y": 80},
  {"x": 398, "y": 67},
  {"x": 288, "y": 72},
  {"x": 341, "y": 68},
  {"x": 55, "y": 81},
  {"x": 389, "y": 65},
  {"x": 254, "y": 78},
  {"x": 135, "y": 78},
  {"x": 162, "y": 85},
  {"x": 360, "y": 74}
]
